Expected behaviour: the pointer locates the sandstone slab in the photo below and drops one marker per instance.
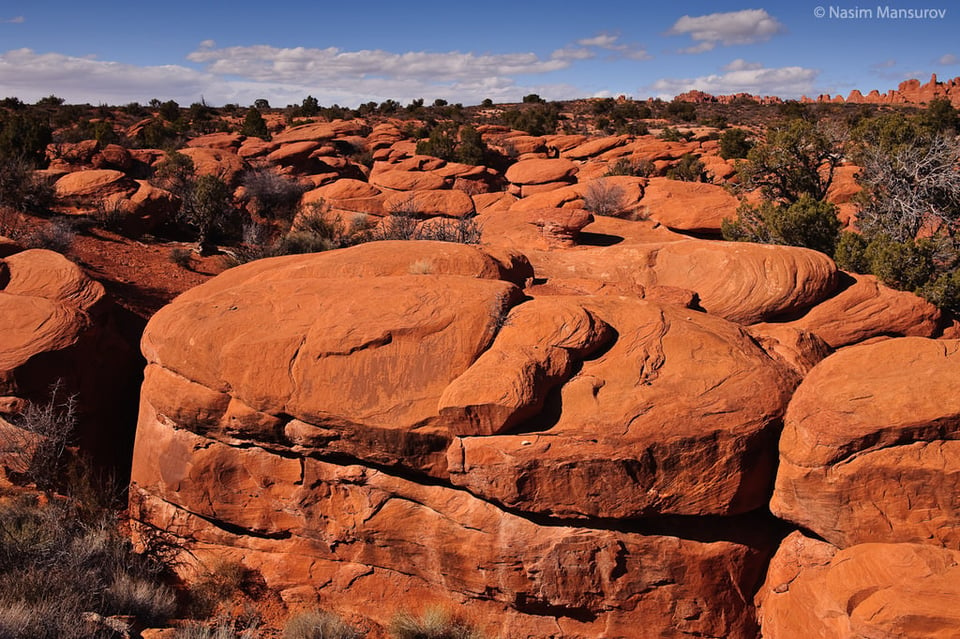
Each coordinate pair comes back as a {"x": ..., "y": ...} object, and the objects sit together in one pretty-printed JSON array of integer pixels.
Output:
[
  {"x": 870, "y": 590},
  {"x": 870, "y": 450}
]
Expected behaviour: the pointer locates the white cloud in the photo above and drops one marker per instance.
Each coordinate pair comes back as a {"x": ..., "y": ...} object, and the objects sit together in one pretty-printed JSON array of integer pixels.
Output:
[
  {"x": 602, "y": 40},
  {"x": 737, "y": 27},
  {"x": 742, "y": 65},
  {"x": 786, "y": 82},
  {"x": 30, "y": 75},
  {"x": 309, "y": 66},
  {"x": 16, "y": 20},
  {"x": 283, "y": 76},
  {"x": 573, "y": 53},
  {"x": 948, "y": 59},
  {"x": 611, "y": 42},
  {"x": 885, "y": 64}
]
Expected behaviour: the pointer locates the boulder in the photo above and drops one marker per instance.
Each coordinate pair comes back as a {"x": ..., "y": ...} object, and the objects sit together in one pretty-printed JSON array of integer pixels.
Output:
[
  {"x": 340, "y": 535},
  {"x": 595, "y": 147},
  {"x": 689, "y": 431},
  {"x": 407, "y": 180},
  {"x": 430, "y": 203},
  {"x": 870, "y": 450},
  {"x": 113, "y": 156},
  {"x": 559, "y": 227},
  {"x": 58, "y": 329},
  {"x": 541, "y": 171},
  {"x": 863, "y": 308},
  {"x": 813, "y": 589},
  {"x": 347, "y": 188},
  {"x": 222, "y": 163},
  {"x": 742, "y": 282},
  {"x": 321, "y": 131},
  {"x": 92, "y": 185},
  {"x": 231, "y": 141},
  {"x": 146, "y": 209},
  {"x": 688, "y": 206}
]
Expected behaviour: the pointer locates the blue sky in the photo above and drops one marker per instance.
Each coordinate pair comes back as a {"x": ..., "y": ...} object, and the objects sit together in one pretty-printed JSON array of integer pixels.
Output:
[{"x": 109, "y": 52}]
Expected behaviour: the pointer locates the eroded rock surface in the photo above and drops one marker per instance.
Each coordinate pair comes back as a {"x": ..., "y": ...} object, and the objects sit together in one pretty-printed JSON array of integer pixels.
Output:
[
  {"x": 870, "y": 450},
  {"x": 565, "y": 465},
  {"x": 813, "y": 589}
]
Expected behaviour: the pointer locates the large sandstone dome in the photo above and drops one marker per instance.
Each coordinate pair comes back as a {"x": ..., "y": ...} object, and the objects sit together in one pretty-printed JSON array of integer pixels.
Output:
[
  {"x": 403, "y": 413},
  {"x": 575, "y": 441}
]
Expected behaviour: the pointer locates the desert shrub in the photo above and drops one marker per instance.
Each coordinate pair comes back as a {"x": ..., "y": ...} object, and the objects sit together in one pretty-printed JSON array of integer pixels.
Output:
[
  {"x": 807, "y": 222},
  {"x": 47, "y": 428},
  {"x": 941, "y": 116},
  {"x": 316, "y": 624},
  {"x": 169, "y": 111},
  {"x": 208, "y": 207},
  {"x": 735, "y": 144},
  {"x": 213, "y": 586},
  {"x": 640, "y": 168},
  {"x": 670, "y": 134},
  {"x": 182, "y": 257},
  {"x": 57, "y": 235},
  {"x": 441, "y": 143},
  {"x": 24, "y": 136},
  {"x": 149, "y": 601},
  {"x": 605, "y": 198},
  {"x": 434, "y": 623},
  {"x": 254, "y": 125},
  {"x": 275, "y": 196},
  {"x": 471, "y": 149},
  {"x": 910, "y": 209},
  {"x": 222, "y": 628},
  {"x": 540, "y": 119},
  {"x": 909, "y": 187},
  {"x": 688, "y": 169},
  {"x": 109, "y": 215},
  {"x": 21, "y": 189},
  {"x": 463, "y": 230},
  {"x": 795, "y": 160},
  {"x": 59, "y": 561},
  {"x": 682, "y": 111}
]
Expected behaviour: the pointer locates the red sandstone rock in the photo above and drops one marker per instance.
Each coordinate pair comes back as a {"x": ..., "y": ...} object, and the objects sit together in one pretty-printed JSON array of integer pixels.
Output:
[
  {"x": 113, "y": 156},
  {"x": 870, "y": 450},
  {"x": 864, "y": 308},
  {"x": 800, "y": 350},
  {"x": 94, "y": 184},
  {"x": 667, "y": 437},
  {"x": 321, "y": 131},
  {"x": 493, "y": 201},
  {"x": 346, "y": 535},
  {"x": 688, "y": 206},
  {"x": 224, "y": 164},
  {"x": 868, "y": 590},
  {"x": 231, "y": 141},
  {"x": 57, "y": 328},
  {"x": 407, "y": 180},
  {"x": 559, "y": 227},
  {"x": 541, "y": 171},
  {"x": 147, "y": 208},
  {"x": 430, "y": 203},
  {"x": 595, "y": 147},
  {"x": 741, "y": 282},
  {"x": 346, "y": 188},
  {"x": 534, "y": 352}
]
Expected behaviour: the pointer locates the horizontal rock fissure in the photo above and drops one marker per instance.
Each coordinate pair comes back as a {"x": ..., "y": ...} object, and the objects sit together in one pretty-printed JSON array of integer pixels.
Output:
[{"x": 747, "y": 528}]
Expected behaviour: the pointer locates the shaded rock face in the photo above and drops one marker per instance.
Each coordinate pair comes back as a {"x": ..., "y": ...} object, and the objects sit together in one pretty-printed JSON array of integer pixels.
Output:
[
  {"x": 563, "y": 466},
  {"x": 58, "y": 328}
]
